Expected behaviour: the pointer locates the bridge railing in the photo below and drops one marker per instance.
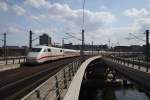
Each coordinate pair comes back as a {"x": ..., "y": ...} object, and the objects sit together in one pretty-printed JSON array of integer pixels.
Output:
[
  {"x": 54, "y": 88},
  {"x": 139, "y": 64},
  {"x": 12, "y": 60}
]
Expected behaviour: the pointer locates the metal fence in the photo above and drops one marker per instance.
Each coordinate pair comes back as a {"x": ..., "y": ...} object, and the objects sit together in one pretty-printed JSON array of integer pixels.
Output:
[
  {"x": 56, "y": 86},
  {"x": 137, "y": 63},
  {"x": 12, "y": 60}
]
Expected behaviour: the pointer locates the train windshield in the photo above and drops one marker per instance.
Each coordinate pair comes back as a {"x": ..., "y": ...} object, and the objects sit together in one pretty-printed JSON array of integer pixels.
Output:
[{"x": 35, "y": 49}]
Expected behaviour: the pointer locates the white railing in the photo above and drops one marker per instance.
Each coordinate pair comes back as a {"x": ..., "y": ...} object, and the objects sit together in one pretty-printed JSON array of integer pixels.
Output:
[
  {"x": 74, "y": 89},
  {"x": 55, "y": 87}
]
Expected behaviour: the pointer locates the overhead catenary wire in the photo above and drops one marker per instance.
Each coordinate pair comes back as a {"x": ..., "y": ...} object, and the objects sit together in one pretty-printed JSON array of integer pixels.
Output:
[
  {"x": 136, "y": 37},
  {"x": 73, "y": 36}
]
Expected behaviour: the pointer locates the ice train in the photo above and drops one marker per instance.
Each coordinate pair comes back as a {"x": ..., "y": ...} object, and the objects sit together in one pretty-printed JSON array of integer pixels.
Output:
[{"x": 40, "y": 54}]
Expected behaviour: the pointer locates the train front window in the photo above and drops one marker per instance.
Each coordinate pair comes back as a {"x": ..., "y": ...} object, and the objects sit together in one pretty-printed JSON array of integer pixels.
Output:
[{"x": 35, "y": 49}]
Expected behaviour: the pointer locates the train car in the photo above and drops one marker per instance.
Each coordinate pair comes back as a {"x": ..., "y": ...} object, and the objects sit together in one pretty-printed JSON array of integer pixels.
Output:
[
  {"x": 41, "y": 54},
  {"x": 71, "y": 52}
]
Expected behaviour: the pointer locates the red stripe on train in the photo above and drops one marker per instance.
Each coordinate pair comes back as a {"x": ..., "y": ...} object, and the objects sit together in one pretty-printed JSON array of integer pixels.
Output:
[{"x": 48, "y": 57}]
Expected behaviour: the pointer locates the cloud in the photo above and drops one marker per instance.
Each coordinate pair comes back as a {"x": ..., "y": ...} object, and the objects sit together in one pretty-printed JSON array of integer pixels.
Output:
[
  {"x": 68, "y": 20},
  {"x": 133, "y": 12},
  {"x": 102, "y": 7},
  {"x": 94, "y": 20},
  {"x": 64, "y": 19},
  {"x": 3, "y": 6},
  {"x": 141, "y": 18},
  {"x": 18, "y": 10},
  {"x": 36, "y": 3},
  {"x": 40, "y": 17},
  {"x": 64, "y": 13},
  {"x": 13, "y": 29}
]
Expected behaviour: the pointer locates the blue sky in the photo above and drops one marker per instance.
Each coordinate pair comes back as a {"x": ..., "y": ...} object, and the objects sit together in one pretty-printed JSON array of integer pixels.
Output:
[{"x": 104, "y": 20}]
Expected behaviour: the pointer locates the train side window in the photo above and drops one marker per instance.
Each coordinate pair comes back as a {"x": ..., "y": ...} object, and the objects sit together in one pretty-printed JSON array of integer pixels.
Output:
[
  {"x": 49, "y": 50},
  {"x": 45, "y": 50}
]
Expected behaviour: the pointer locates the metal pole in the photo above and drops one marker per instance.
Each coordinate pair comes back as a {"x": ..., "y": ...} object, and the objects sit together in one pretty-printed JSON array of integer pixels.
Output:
[
  {"x": 147, "y": 44},
  {"x": 92, "y": 48},
  {"x": 109, "y": 43},
  {"x": 30, "y": 39},
  {"x": 82, "y": 48},
  {"x": 5, "y": 48},
  {"x": 62, "y": 43}
]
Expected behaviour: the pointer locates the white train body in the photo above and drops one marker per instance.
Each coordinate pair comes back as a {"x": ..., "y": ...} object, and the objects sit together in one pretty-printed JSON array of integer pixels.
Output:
[{"x": 40, "y": 54}]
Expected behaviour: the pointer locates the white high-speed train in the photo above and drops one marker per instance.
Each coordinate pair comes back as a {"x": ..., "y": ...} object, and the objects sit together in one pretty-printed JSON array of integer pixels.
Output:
[{"x": 40, "y": 54}]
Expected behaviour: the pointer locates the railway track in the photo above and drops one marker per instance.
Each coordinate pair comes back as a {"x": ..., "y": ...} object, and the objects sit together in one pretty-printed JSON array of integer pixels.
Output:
[{"x": 16, "y": 83}]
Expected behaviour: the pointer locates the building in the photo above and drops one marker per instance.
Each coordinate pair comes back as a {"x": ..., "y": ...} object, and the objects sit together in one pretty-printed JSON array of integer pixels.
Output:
[
  {"x": 45, "y": 40},
  {"x": 132, "y": 48},
  {"x": 87, "y": 47},
  {"x": 14, "y": 51}
]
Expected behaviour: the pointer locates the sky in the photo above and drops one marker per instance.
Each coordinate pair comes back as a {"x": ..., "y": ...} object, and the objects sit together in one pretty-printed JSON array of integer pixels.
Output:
[{"x": 119, "y": 21}]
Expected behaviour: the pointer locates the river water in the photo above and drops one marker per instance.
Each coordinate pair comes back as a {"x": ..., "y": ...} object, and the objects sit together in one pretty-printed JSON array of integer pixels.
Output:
[
  {"x": 121, "y": 93},
  {"x": 130, "y": 94}
]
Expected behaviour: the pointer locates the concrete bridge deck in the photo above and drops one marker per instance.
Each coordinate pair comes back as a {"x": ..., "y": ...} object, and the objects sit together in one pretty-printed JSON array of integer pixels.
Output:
[{"x": 141, "y": 78}]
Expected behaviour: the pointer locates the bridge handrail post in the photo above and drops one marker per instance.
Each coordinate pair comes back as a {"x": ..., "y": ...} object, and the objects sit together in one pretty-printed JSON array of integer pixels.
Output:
[
  {"x": 121, "y": 60},
  {"x": 139, "y": 63},
  {"x": 76, "y": 64},
  {"x": 113, "y": 58},
  {"x": 128, "y": 61},
  {"x": 133, "y": 62},
  {"x": 38, "y": 95},
  {"x": 65, "y": 79},
  {"x": 147, "y": 66},
  {"x": 72, "y": 69},
  {"x": 117, "y": 60},
  {"x": 19, "y": 60},
  {"x": 6, "y": 60},
  {"x": 69, "y": 71},
  {"x": 57, "y": 89},
  {"x": 13, "y": 60},
  {"x": 24, "y": 59},
  {"x": 124, "y": 61}
]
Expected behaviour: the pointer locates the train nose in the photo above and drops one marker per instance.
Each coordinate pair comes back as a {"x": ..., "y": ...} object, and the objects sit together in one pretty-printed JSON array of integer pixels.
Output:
[{"x": 31, "y": 59}]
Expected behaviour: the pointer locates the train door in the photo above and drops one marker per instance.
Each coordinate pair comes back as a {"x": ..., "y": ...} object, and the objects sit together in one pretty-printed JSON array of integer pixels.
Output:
[
  {"x": 49, "y": 54},
  {"x": 45, "y": 56}
]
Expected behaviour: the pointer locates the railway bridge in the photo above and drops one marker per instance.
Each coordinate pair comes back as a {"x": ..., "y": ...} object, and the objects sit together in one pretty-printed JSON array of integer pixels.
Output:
[{"x": 75, "y": 78}]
